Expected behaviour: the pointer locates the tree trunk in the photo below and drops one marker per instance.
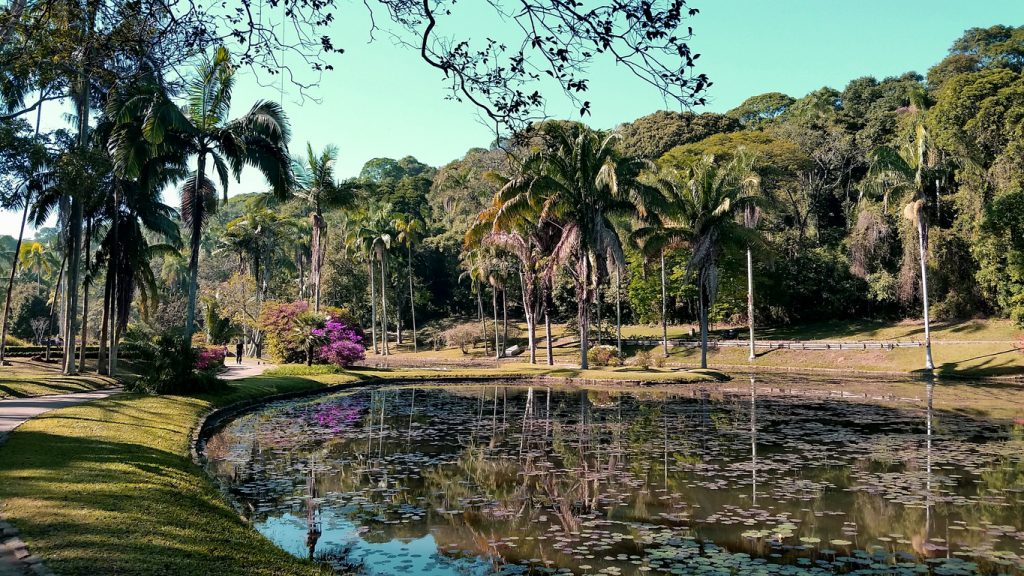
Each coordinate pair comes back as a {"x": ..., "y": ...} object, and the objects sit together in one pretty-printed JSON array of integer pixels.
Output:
[
  {"x": 101, "y": 365},
  {"x": 928, "y": 364},
  {"x": 14, "y": 269},
  {"x": 702, "y": 297},
  {"x": 412, "y": 304},
  {"x": 316, "y": 256},
  {"x": 383, "y": 307},
  {"x": 504, "y": 320},
  {"x": 53, "y": 304},
  {"x": 373, "y": 303},
  {"x": 480, "y": 313},
  {"x": 85, "y": 295},
  {"x": 494, "y": 303},
  {"x": 664, "y": 308},
  {"x": 750, "y": 301},
  {"x": 547, "y": 325},
  {"x": 618, "y": 311},
  {"x": 193, "y": 261},
  {"x": 583, "y": 312},
  {"x": 530, "y": 314}
]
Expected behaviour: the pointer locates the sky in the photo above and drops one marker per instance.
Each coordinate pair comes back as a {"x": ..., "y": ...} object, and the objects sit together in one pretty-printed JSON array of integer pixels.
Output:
[{"x": 383, "y": 101}]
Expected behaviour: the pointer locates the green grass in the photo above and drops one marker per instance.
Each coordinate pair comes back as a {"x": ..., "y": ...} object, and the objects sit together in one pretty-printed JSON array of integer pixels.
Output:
[
  {"x": 972, "y": 348},
  {"x": 108, "y": 487},
  {"x": 26, "y": 378}
]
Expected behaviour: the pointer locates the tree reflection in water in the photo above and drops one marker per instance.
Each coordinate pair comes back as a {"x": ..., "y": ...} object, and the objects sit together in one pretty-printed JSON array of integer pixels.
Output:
[{"x": 770, "y": 477}]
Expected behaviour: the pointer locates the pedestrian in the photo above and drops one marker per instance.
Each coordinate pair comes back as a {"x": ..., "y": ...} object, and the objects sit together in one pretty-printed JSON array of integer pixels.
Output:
[{"x": 238, "y": 351}]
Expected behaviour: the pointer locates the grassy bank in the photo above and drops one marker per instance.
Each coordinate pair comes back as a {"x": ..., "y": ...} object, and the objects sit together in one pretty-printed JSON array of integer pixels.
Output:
[
  {"x": 25, "y": 378},
  {"x": 108, "y": 488}
]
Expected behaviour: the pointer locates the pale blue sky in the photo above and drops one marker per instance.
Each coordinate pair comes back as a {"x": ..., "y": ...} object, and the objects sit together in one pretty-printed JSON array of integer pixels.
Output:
[{"x": 382, "y": 100}]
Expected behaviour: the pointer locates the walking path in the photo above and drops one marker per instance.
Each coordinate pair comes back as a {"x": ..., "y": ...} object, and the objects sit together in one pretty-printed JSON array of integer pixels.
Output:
[{"x": 15, "y": 412}]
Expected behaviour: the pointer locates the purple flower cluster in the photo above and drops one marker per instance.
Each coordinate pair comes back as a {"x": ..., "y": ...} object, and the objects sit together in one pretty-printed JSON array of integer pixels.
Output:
[{"x": 343, "y": 345}]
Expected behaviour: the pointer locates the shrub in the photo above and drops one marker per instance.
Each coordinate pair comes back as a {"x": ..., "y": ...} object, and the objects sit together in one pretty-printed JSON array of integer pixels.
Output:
[
  {"x": 284, "y": 343},
  {"x": 462, "y": 335},
  {"x": 604, "y": 355},
  {"x": 658, "y": 359},
  {"x": 343, "y": 344},
  {"x": 642, "y": 360},
  {"x": 170, "y": 366}
]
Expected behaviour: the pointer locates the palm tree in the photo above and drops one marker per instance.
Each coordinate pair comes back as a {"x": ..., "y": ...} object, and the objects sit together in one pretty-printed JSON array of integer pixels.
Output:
[
  {"x": 908, "y": 171},
  {"x": 315, "y": 182},
  {"x": 201, "y": 129},
  {"x": 410, "y": 232},
  {"x": 374, "y": 234},
  {"x": 33, "y": 258},
  {"x": 704, "y": 202},
  {"x": 576, "y": 181}
]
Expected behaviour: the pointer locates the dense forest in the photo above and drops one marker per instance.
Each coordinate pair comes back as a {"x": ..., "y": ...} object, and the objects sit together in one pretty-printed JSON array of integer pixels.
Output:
[{"x": 852, "y": 185}]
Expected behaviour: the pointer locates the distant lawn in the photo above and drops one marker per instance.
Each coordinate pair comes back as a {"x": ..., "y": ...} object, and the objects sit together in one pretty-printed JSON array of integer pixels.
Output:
[
  {"x": 987, "y": 348},
  {"x": 25, "y": 378},
  {"x": 966, "y": 360}
]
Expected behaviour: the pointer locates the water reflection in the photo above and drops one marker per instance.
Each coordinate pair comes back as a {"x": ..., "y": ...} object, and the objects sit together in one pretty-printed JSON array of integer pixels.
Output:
[{"x": 774, "y": 478}]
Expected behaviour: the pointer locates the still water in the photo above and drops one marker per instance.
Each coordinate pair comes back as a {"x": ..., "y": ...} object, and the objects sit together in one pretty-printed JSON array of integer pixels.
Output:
[{"x": 745, "y": 477}]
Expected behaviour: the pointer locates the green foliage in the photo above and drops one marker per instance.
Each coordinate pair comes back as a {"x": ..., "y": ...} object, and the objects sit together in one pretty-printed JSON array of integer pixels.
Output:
[
  {"x": 168, "y": 366},
  {"x": 653, "y": 135},
  {"x": 762, "y": 108}
]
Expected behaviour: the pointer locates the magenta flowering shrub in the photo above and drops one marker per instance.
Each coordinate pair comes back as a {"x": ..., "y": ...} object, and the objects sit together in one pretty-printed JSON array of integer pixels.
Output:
[
  {"x": 342, "y": 344},
  {"x": 209, "y": 359}
]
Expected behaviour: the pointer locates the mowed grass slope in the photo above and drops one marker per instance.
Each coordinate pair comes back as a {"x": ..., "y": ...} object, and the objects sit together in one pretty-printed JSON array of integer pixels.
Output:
[
  {"x": 109, "y": 488},
  {"x": 25, "y": 378}
]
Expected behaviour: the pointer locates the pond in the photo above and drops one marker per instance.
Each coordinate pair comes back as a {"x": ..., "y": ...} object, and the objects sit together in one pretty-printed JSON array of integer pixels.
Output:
[{"x": 765, "y": 476}]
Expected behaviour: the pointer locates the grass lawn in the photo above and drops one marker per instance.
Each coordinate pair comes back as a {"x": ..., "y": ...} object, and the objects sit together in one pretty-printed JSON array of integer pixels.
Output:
[
  {"x": 965, "y": 360},
  {"x": 25, "y": 378},
  {"x": 109, "y": 488},
  {"x": 973, "y": 348}
]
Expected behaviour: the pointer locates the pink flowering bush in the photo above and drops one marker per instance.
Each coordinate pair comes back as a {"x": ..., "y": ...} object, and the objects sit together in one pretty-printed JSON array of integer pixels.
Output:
[
  {"x": 288, "y": 337},
  {"x": 209, "y": 359},
  {"x": 342, "y": 344}
]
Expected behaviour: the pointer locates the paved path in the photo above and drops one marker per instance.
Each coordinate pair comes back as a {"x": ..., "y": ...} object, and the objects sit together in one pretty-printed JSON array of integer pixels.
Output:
[
  {"x": 15, "y": 411},
  {"x": 244, "y": 370}
]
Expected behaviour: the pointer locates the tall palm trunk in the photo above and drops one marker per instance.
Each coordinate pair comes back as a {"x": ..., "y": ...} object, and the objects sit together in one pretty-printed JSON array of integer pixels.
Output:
[
  {"x": 664, "y": 307},
  {"x": 53, "y": 305},
  {"x": 583, "y": 311},
  {"x": 531, "y": 315},
  {"x": 494, "y": 303},
  {"x": 928, "y": 364},
  {"x": 112, "y": 273},
  {"x": 504, "y": 320},
  {"x": 75, "y": 223},
  {"x": 703, "y": 305},
  {"x": 85, "y": 295},
  {"x": 316, "y": 256},
  {"x": 10, "y": 280},
  {"x": 750, "y": 301},
  {"x": 383, "y": 306},
  {"x": 480, "y": 312},
  {"x": 618, "y": 311},
  {"x": 373, "y": 303},
  {"x": 412, "y": 303},
  {"x": 547, "y": 324},
  {"x": 194, "y": 241},
  {"x": 101, "y": 365}
]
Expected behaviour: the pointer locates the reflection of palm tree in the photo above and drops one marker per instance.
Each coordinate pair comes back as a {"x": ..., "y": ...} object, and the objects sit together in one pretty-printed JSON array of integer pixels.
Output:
[
  {"x": 753, "y": 439},
  {"x": 313, "y": 527}
]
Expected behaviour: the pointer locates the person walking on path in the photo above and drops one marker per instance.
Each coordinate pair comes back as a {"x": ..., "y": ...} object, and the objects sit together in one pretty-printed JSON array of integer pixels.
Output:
[{"x": 238, "y": 351}]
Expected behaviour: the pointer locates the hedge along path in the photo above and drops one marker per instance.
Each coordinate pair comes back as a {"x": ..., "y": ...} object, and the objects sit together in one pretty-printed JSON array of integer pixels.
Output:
[{"x": 109, "y": 487}]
